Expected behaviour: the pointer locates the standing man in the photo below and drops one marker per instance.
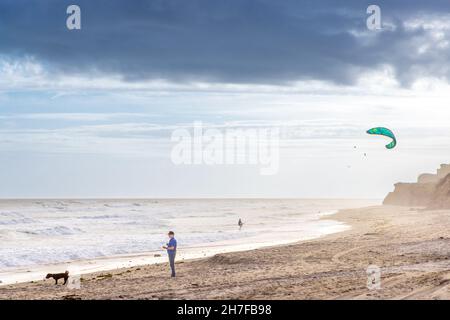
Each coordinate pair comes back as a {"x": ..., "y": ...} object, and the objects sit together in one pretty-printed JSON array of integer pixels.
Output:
[{"x": 171, "y": 248}]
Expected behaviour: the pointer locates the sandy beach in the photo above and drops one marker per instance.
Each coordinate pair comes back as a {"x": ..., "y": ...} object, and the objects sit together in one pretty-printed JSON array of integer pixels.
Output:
[{"x": 411, "y": 246}]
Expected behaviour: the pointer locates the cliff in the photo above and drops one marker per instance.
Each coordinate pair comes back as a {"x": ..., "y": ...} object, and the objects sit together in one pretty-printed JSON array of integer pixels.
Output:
[
  {"x": 430, "y": 190},
  {"x": 411, "y": 194},
  {"x": 441, "y": 195}
]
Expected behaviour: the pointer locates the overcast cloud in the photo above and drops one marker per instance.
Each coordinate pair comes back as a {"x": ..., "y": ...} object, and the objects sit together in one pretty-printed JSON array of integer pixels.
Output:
[{"x": 234, "y": 41}]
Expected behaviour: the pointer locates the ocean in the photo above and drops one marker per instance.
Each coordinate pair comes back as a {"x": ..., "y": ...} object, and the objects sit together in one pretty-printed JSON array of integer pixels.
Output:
[{"x": 38, "y": 235}]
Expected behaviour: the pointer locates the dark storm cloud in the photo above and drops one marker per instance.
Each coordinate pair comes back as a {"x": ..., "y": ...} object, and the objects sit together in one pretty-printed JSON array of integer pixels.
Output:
[{"x": 239, "y": 41}]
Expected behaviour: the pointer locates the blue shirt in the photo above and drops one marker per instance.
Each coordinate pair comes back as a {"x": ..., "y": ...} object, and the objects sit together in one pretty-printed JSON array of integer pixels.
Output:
[{"x": 172, "y": 243}]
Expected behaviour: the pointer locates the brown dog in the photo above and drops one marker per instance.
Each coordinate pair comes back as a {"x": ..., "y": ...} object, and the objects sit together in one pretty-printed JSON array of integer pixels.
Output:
[{"x": 57, "y": 276}]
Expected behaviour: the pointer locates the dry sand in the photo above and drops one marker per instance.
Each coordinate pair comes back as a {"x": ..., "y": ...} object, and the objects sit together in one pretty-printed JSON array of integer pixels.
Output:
[{"x": 412, "y": 247}]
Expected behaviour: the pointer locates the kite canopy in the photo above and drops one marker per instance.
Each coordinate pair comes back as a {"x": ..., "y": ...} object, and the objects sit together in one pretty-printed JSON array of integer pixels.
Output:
[{"x": 384, "y": 132}]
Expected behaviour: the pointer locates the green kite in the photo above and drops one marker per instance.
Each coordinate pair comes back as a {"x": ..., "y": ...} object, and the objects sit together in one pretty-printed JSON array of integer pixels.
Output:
[{"x": 384, "y": 132}]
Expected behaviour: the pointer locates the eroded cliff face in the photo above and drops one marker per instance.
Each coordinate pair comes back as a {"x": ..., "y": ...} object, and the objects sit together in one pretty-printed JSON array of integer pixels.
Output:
[
  {"x": 441, "y": 195},
  {"x": 431, "y": 191},
  {"x": 411, "y": 194}
]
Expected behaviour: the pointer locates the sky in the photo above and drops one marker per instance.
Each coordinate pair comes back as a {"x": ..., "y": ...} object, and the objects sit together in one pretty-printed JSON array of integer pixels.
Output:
[{"x": 90, "y": 113}]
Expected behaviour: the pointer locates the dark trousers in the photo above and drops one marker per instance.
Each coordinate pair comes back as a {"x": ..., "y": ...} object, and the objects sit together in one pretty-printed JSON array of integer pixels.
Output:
[{"x": 172, "y": 263}]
